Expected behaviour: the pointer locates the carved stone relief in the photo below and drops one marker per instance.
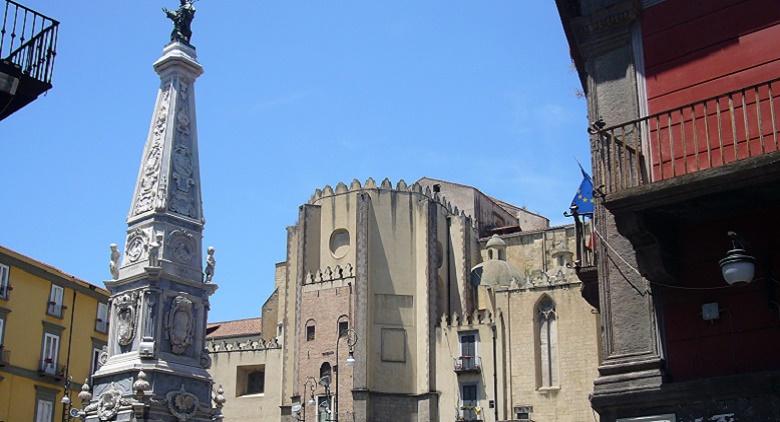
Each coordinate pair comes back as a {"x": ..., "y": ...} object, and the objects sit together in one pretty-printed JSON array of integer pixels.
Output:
[
  {"x": 137, "y": 241},
  {"x": 125, "y": 306},
  {"x": 182, "y": 404},
  {"x": 108, "y": 404},
  {"x": 182, "y": 196},
  {"x": 150, "y": 173},
  {"x": 182, "y": 246},
  {"x": 205, "y": 359},
  {"x": 180, "y": 324}
]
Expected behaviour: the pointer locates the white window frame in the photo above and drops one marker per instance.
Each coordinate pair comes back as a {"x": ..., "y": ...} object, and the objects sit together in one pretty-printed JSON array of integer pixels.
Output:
[
  {"x": 5, "y": 274},
  {"x": 40, "y": 416},
  {"x": 2, "y": 330},
  {"x": 101, "y": 318},
  {"x": 56, "y": 298},
  {"x": 50, "y": 367}
]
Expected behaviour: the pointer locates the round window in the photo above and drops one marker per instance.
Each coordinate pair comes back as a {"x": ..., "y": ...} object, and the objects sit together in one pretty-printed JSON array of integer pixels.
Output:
[{"x": 339, "y": 243}]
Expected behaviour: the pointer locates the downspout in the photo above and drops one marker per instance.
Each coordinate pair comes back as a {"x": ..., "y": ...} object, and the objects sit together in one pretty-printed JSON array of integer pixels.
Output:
[
  {"x": 67, "y": 360},
  {"x": 495, "y": 372}
]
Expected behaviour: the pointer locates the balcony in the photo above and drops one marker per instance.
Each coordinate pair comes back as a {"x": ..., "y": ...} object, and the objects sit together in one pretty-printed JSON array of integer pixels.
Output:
[
  {"x": 28, "y": 42},
  {"x": 466, "y": 364},
  {"x": 468, "y": 413},
  {"x": 54, "y": 309},
  {"x": 101, "y": 326},
  {"x": 48, "y": 368},
  {"x": 692, "y": 143}
]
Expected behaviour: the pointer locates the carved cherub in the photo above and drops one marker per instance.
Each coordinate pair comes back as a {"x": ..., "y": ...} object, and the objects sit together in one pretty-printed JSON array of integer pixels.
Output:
[
  {"x": 211, "y": 264},
  {"x": 113, "y": 264}
]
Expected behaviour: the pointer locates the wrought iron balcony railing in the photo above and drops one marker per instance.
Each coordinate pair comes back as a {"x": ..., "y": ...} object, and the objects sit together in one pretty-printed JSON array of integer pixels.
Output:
[
  {"x": 28, "y": 41},
  {"x": 468, "y": 364},
  {"x": 709, "y": 133},
  {"x": 101, "y": 325},
  {"x": 54, "y": 309},
  {"x": 51, "y": 369},
  {"x": 470, "y": 413}
]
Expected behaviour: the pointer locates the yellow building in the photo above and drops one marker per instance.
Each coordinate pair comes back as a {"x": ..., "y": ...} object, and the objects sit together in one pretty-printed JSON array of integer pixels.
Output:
[{"x": 52, "y": 328}]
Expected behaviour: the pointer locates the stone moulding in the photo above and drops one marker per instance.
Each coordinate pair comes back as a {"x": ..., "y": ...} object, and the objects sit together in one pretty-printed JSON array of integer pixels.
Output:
[{"x": 180, "y": 324}]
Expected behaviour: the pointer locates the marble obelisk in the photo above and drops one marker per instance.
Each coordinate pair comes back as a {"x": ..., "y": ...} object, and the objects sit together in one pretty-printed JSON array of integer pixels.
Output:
[{"x": 155, "y": 366}]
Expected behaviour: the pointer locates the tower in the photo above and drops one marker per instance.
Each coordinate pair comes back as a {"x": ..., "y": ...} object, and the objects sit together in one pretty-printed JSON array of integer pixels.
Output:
[{"x": 155, "y": 366}]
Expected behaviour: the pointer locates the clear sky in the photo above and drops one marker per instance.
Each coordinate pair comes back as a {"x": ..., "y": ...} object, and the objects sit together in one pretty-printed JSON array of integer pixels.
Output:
[{"x": 295, "y": 95}]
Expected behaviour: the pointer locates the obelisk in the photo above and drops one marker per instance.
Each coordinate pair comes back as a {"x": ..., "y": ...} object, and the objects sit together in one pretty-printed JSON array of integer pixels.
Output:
[{"x": 155, "y": 365}]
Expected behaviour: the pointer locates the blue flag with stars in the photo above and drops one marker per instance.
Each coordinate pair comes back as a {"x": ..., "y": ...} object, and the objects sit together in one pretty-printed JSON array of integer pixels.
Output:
[{"x": 584, "y": 197}]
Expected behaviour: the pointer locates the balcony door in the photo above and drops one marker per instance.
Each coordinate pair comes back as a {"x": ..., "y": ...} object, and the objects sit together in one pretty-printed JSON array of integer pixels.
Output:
[
  {"x": 51, "y": 347},
  {"x": 468, "y": 350}
]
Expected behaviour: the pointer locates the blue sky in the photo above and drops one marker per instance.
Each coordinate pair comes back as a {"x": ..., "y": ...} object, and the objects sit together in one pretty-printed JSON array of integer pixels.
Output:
[{"x": 296, "y": 95}]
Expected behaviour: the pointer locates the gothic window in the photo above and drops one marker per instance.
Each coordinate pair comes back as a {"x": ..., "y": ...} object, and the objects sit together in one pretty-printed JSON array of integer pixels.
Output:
[
  {"x": 325, "y": 374},
  {"x": 310, "y": 330},
  {"x": 343, "y": 326},
  {"x": 547, "y": 343}
]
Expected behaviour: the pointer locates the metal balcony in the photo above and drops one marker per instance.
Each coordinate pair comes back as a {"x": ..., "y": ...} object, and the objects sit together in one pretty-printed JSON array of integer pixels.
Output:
[
  {"x": 28, "y": 46},
  {"x": 47, "y": 368},
  {"x": 464, "y": 364},
  {"x": 469, "y": 414},
  {"x": 706, "y": 134}
]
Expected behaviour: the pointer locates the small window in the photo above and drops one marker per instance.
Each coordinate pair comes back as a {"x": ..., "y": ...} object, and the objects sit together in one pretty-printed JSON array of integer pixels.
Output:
[
  {"x": 4, "y": 273},
  {"x": 343, "y": 326},
  {"x": 54, "y": 307},
  {"x": 437, "y": 188},
  {"x": 250, "y": 380},
  {"x": 95, "y": 360},
  {"x": 469, "y": 393},
  {"x": 101, "y": 321},
  {"x": 255, "y": 382},
  {"x": 310, "y": 332},
  {"x": 523, "y": 413},
  {"x": 2, "y": 330}
]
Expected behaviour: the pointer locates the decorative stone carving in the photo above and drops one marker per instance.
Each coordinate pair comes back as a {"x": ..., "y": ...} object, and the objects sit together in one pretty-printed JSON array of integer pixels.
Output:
[
  {"x": 180, "y": 324},
  {"x": 151, "y": 167},
  {"x": 141, "y": 384},
  {"x": 102, "y": 357},
  {"x": 205, "y": 359},
  {"x": 182, "y": 197},
  {"x": 182, "y": 404},
  {"x": 113, "y": 264},
  {"x": 125, "y": 314},
  {"x": 108, "y": 404},
  {"x": 136, "y": 245},
  {"x": 182, "y": 246},
  {"x": 154, "y": 249},
  {"x": 211, "y": 264}
]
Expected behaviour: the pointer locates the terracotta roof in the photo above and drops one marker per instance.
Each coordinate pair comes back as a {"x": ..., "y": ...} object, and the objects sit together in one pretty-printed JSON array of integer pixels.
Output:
[
  {"x": 237, "y": 328},
  {"x": 52, "y": 270}
]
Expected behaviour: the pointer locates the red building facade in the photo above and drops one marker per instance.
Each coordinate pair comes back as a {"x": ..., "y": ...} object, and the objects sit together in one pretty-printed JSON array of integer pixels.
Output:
[{"x": 686, "y": 147}]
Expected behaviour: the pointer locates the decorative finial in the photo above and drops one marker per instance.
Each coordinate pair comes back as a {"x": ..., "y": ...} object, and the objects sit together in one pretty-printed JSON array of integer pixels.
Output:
[
  {"x": 85, "y": 395},
  {"x": 141, "y": 384},
  {"x": 219, "y": 399},
  {"x": 113, "y": 265},
  {"x": 182, "y": 19},
  {"x": 211, "y": 264}
]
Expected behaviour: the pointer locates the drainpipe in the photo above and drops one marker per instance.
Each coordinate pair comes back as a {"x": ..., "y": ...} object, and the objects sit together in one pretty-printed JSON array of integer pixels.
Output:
[
  {"x": 495, "y": 372},
  {"x": 65, "y": 416}
]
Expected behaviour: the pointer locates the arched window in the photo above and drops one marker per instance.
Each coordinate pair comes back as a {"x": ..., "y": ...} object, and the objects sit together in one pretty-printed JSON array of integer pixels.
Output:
[
  {"x": 325, "y": 373},
  {"x": 310, "y": 330},
  {"x": 343, "y": 325},
  {"x": 547, "y": 342}
]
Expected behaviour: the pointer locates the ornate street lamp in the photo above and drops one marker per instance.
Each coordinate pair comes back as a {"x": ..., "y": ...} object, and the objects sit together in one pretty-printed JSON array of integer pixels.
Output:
[
  {"x": 351, "y": 337},
  {"x": 310, "y": 384},
  {"x": 737, "y": 266}
]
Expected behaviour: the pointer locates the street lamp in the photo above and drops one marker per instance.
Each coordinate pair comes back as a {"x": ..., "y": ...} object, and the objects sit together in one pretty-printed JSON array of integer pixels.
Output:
[
  {"x": 737, "y": 266},
  {"x": 66, "y": 400},
  {"x": 352, "y": 338},
  {"x": 310, "y": 384}
]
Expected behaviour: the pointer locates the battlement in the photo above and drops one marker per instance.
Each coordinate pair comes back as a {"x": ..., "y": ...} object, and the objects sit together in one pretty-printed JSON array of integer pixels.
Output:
[
  {"x": 478, "y": 317},
  {"x": 330, "y": 274},
  {"x": 386, "y": 185},
  {"x": 225, "y": 346}
]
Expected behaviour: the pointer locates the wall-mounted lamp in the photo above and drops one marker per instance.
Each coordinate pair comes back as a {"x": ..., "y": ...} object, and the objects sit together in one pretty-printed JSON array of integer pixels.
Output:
[{"x": 737, "y": 266}]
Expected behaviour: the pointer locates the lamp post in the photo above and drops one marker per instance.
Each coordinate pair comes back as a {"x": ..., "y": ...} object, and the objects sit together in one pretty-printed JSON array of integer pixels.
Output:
[
  {"x": 66, "y": 400},
  {"x": 737, "y": 266},
  {"x": 310, "y": 383},
  {"x": 352, "y": 338}
]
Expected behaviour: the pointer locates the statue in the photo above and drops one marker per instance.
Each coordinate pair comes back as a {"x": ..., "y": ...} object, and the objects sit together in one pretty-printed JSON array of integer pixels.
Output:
[
  {"x": 113, "y": 265},
  {"x": 154, "y": 250},
  {"x": 211, "y": 264},
  {"x": 182, "y": 19}
]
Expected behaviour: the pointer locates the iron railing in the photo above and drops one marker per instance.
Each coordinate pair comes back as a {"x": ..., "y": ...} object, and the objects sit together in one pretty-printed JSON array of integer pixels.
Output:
[
  {"x": 469, "y": 413},
  {"x": 705, "y": 134},
  {"x": 54, "y": 309},
  {"x": 47, "y": 367},
  {"x": 28, "y": 40},
  {"x": 467, "y": 364},
  {"x": 101, "y": 325}
]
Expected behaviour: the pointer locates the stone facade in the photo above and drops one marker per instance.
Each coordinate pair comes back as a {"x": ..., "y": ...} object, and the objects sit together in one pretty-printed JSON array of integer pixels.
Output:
[{"x": 396, "y": 263}]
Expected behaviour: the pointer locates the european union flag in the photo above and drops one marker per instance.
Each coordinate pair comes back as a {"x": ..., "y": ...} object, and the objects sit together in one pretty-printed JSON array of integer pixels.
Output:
[{"x": 584, "y": 197}]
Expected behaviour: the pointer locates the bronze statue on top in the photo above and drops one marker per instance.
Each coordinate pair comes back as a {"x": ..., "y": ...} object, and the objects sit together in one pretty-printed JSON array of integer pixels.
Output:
[{"x": 182, "y": 19}]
